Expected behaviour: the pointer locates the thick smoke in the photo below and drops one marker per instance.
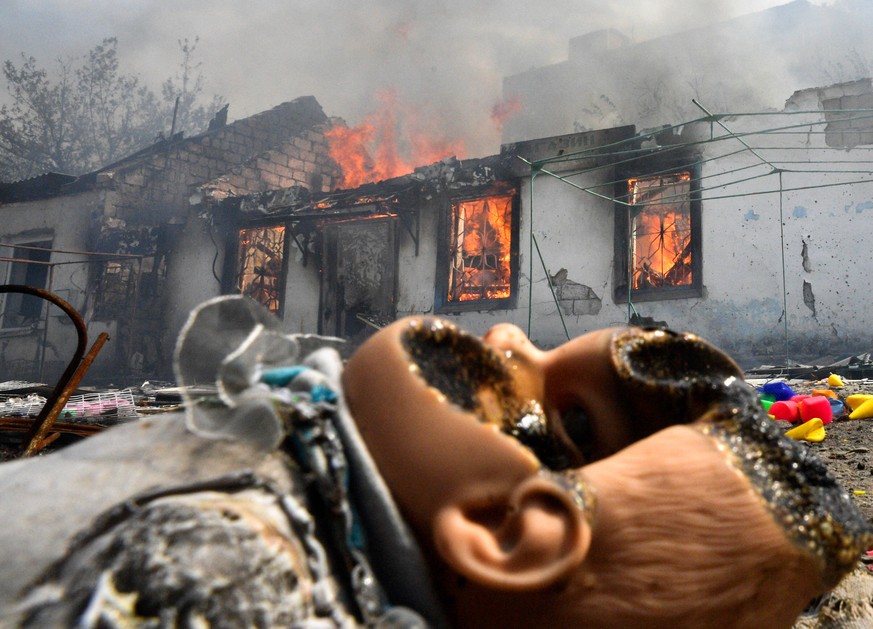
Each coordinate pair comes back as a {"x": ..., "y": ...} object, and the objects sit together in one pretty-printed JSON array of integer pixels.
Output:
[
  {"x": 746, "y": 64},
  {"x": 447, "y": 58}
]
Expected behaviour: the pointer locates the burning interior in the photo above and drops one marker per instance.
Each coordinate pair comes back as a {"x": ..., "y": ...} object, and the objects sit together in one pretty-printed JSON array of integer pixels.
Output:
[
  {"x": 660, "y": 231},
  {"x": 480, "y": 258},
  {"x": 260, "y": 254},
  {"x": 657, "y": 233},
  {"x": 354, "y": 238}
]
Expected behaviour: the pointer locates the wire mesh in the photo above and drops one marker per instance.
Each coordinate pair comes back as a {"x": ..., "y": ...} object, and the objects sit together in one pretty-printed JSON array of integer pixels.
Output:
[{"x": 117, "y": 405}]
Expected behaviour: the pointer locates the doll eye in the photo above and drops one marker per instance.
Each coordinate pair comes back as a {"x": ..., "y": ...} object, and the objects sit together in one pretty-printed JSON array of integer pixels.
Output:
[
  {"x": 463, "y": 369},
  {"x": 533, "y": 430},
  {"x": 579, "y": 429},
  {"x": 475, "y": 377}
]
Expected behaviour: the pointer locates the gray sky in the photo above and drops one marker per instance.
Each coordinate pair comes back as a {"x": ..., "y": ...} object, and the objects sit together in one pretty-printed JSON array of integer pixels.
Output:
[{"x": 444, "y": 58}]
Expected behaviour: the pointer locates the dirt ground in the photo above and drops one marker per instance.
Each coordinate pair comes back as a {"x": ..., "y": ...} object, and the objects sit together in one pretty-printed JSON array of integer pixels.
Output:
[{"x": 846, "y": 451}]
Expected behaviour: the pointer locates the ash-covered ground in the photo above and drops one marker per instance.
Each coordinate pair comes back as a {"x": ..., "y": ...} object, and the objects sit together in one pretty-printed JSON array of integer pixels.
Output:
[{"x": 846, "y": 451}]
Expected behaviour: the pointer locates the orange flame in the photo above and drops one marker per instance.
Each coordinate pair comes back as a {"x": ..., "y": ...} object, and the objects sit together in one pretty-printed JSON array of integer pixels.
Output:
[
  {"x": 482, "y": 232},
  {"x": 390, "y": 142},
  {"x": 505, "y": 109},
  {"x": 661, "y": 231},
  {"x": 260, "y": 261}
]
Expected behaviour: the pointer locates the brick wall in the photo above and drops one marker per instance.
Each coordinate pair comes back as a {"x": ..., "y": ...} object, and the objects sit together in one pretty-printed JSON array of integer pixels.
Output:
[
  {"x": 280, "y": 147},
  {"x": 301, "y": 161},
  {"x": 847, "y": 127}
]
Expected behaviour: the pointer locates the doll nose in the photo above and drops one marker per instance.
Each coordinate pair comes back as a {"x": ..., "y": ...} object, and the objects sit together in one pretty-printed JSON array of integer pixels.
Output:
[
  {"x": 507, "y": 337},
  {"x": 524, "y": 359}
]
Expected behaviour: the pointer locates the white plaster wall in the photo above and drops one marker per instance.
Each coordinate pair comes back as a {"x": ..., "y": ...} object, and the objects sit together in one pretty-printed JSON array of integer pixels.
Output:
[
  {"x": 744, "y": 238},
  {"x": 193, "y": 267},
  {"x": 574, "y": 230},
  {"x": 64, "y": 220},
  {"x": 302, "y": 293},
  {"x": 416, "y": 276}
]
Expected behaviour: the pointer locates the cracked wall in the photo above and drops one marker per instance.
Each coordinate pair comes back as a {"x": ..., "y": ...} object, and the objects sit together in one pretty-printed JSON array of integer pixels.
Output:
[{"x": 573, "y": 297}]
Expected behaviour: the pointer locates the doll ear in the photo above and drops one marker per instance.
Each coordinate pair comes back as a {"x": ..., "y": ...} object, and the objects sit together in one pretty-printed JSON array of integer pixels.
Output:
[{"x": 535, "y": 537}]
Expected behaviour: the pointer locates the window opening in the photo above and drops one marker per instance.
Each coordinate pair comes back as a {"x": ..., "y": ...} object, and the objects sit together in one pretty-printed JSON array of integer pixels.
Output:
[
  {"x": 660, "y": 232},
  {"x": 480, "y": 249},
  {"x": 116, "y": 289},
  {"x": 132, "y": 274},
  {"x": 260, "y": 257},
  {"x": 20, "y": 310}
]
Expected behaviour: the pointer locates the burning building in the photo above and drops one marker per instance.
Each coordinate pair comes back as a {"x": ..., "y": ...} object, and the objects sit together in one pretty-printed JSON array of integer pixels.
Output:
[
  {"x": 119, "y": 245},
  {"x": 344, "y": 263},
  {"x": 733, "y": 227},
  {"x": 686, "y": 225}
]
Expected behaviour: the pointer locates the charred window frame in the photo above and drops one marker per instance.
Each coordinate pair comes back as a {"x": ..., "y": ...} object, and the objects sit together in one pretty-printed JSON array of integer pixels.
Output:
[
  {"x": 126, "y": 283},
  {"x": 29, "y": 265},
  {"x": 132, "y": 275},
  {"x": 116, "y": 289},
  {"x": 261, "y": 264},
  {"x": 477, "y": 262},
  {"x": 658, "y": 236}
]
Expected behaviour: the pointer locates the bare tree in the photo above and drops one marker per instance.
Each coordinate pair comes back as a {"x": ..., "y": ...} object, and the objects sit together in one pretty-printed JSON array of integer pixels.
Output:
[
  {"x": 182, "y": 93},
  {"x": 37, "y": 132},
  {"x": 117, "y": 114},
  {"x": 80, "y": 118}
]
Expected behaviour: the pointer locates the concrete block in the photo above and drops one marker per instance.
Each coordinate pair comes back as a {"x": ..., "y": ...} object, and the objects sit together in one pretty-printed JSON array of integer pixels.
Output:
[
  {"x": 834, "y": 139},
  {"x": 851, "y": 139},
  {"x": 832, "y": 103},
  {"x": 572, "y": 290},
  {"x": 859, "y": 101}
]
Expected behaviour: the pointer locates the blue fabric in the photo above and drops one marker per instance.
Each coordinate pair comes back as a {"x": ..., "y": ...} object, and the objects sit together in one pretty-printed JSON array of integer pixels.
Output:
[{"x": 283, "y": 375}]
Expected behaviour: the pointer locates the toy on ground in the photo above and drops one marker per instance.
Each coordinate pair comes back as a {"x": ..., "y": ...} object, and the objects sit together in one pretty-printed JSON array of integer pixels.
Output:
[{"x": 628, "y": 478}]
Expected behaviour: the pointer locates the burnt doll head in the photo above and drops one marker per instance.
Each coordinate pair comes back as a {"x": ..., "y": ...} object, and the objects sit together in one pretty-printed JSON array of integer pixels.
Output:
[{"x": 628, "y": 478}]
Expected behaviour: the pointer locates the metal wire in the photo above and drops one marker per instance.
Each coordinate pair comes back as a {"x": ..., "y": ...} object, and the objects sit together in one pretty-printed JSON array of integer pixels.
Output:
[{"x": 852, "y": 172}]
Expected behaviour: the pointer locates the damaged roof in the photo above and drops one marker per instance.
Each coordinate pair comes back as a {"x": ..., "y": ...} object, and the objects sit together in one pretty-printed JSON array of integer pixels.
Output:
[
  {"x": 270, "y": 128},
  {"x": 39, "y": 187},
  {"x": 451, "y": 175}
]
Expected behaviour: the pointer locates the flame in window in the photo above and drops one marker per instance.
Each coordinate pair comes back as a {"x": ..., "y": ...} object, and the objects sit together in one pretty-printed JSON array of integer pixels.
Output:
[
  {"x": 261, "y": 250},
  {"x": 661, "y": 230},
  {"x": 480, "y": 249}
]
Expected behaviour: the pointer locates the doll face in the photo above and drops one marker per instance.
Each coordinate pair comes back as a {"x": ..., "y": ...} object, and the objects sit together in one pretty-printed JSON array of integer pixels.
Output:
[
  {"x": 652, "y": 434},
  {"x": 579, "y": 403}
]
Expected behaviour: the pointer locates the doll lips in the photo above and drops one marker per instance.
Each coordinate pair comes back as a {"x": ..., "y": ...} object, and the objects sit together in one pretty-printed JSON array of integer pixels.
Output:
[{"x": 660, "y": 379}]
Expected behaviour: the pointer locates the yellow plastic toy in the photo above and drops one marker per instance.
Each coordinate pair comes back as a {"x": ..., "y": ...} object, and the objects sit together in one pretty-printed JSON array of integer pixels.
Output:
[
  {"x": 813, "y": 430},
  {"x": 863, "y": 411},
  {"x": 835, "y": 381},
  {"x": 855, "y": 400}
]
